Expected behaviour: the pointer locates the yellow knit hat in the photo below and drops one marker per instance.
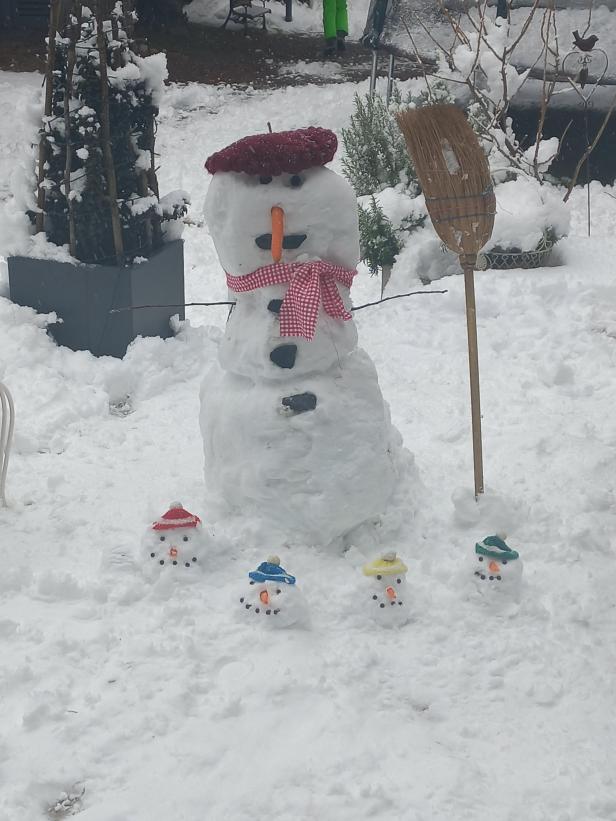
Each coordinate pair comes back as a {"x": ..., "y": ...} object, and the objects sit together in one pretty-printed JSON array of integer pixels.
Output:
[{"x": 387, "y": 565}]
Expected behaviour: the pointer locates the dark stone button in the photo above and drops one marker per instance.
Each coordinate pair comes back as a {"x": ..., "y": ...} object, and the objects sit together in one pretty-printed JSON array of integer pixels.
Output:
[
  {"x": 284, "y": 356},
  {"x": 274, "y": 305},
  {"x": 300, "y": 402}
]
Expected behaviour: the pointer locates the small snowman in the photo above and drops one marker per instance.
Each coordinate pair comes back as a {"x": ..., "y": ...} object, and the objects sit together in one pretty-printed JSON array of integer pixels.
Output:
[
  {"x": 175, "y": 541},
  {"x": 272, "y": 596},
  {"x": 497, "y": 566},
  {"x": 388, "y": 588}
]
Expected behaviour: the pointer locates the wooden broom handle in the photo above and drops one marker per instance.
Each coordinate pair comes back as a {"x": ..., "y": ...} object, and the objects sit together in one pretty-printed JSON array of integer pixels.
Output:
[{"x": 468, "y": 262}]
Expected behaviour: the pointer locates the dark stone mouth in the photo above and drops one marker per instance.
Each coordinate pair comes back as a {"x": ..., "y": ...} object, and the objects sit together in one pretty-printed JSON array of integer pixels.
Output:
[
  {"x": 289, "y": 241},
  {"x": 489, "y": 578}
]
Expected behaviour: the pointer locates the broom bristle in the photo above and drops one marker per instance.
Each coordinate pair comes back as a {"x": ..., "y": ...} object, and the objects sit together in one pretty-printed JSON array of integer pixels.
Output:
[{"x": 454, "y": 174}]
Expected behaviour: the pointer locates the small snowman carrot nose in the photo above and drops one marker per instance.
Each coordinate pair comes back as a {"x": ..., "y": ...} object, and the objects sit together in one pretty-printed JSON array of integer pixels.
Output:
[
  {"x": 264, "y": 596},
  {"x": 173, "y": 552},
  {"x": 391, "y": 593},
  {"x": 494, "y": 567},
  {"x": 277, "y": 232}
]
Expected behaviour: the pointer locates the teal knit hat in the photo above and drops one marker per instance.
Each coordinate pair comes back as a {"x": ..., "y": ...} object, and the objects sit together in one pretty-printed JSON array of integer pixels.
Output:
[{"x": 495, "y": 548}]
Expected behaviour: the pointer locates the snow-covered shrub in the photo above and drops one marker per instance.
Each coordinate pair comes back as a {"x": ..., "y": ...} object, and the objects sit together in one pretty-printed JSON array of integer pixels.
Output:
[
  {"x": 375, "y": 155},
  {"x": 99, "y": 179},
  {"x": 378, "y": 240}
]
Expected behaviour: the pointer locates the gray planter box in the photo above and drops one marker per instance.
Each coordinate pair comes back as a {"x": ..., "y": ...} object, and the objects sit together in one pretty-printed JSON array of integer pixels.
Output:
[{"x": 83, "y": 296}]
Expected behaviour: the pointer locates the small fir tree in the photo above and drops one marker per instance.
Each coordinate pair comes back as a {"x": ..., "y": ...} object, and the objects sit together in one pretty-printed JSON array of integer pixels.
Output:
[{"x": 378, "y": 240}]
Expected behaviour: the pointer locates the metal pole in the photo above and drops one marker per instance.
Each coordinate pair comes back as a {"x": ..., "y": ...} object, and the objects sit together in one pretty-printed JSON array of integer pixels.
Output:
[
  {"x": 373, "y": 71},
  {"x": 288, "y": 17},
  {"x": 390, "y": 78}
]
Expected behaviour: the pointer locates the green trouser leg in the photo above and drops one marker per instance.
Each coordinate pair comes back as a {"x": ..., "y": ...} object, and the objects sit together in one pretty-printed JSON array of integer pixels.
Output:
[{"x": 335, "y": 18}]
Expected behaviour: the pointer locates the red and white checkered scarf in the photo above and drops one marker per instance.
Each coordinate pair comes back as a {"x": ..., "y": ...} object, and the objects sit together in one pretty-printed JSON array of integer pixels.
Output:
[{"x": 310, "y": 284}]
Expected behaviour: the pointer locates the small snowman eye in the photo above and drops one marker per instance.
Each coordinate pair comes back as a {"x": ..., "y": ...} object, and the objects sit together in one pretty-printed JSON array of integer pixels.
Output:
[
  {"x": 296, "y": 181},
  {"x": 379, "y": 578},
  {"x": 278, "y": 592},
  {"x": 251, "y": 582},
  {"x": 504, "y": 561},
  {"x": 162, "y": 538},
  {"x": 265, "y": 180},
  {"x": 481, "y": 558},
  {"x": 184, "y": 538},
  {"x": 399, "y": 581}
]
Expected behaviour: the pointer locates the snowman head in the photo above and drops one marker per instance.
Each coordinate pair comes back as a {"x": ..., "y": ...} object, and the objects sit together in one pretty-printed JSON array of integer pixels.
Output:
[
  {"x": 496, "y": 564},
  {"x": 272, "y": 596},
  {"x": 388, "y": 587},
  {"x": 176, "y": 540},
  {"x": 272, "y": 200}
]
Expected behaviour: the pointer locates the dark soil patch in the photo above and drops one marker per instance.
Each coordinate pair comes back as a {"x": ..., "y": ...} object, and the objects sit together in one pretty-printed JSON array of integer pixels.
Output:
[{"x": 214, "y": 55}]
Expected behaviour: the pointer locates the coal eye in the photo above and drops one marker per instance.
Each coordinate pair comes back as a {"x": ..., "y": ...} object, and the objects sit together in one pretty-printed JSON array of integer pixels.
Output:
[
  {"x": 399, "y": 581},
  {"x": 251, "y": 582},
  {"x": 296, "y": 181},
  {"x": 379, "y": 577},
  {"x": 481, "y": 558},
  {"x": 162, "y": 538},
  {"x": 279, "y": 591},
  {"x": 504, "y": 562},
  {"x": 184, "y": 538},
  {"x": 265, "y": 180}
]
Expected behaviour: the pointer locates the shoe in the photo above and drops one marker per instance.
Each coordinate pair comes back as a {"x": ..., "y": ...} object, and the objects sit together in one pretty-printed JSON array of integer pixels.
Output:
[
  {"x": 340, "y": 44},
  {"x": 329, "y": 52}
]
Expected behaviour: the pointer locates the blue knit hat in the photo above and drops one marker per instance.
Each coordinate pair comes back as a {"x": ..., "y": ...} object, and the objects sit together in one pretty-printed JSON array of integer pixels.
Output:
[
  {"x": 271, "y": 571},
  {"x": 495, "y": 548}
]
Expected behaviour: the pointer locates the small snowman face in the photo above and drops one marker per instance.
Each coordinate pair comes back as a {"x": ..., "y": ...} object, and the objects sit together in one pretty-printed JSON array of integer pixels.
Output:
[
  {"x": 277, "y": 603},
  {"x": 389, "y": 592},
  {"x": 179, "y": 548},
  {"x": 498, "y": 572}
]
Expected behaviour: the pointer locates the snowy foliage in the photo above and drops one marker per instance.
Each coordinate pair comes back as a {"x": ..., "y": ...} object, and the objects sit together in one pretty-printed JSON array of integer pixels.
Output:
[
  {"x": 77, "y": 176},
  {"x": 375, "y": 152}
]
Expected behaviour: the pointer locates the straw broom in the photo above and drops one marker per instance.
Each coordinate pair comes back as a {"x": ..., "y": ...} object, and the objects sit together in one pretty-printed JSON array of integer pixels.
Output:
[{"x": 455, "y": 177}]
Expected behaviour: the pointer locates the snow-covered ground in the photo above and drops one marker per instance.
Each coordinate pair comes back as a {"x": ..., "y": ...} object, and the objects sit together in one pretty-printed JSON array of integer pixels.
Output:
[{"x": 163, "y": 705}]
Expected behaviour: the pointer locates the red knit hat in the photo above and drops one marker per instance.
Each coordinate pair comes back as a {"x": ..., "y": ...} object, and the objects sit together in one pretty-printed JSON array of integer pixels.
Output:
[
  {"x": 282, "y": 152},
  {"x": 175, "y": 517}
]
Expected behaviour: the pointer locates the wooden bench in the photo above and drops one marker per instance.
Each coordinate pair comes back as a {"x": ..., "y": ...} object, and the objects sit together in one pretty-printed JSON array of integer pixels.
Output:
[{"x": 242, "y": 11}]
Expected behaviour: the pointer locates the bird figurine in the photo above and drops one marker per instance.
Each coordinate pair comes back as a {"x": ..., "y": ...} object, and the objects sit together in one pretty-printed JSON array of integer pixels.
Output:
[
  {"x": 584, "y": 43},
  {"x": 581, "y": 78}
]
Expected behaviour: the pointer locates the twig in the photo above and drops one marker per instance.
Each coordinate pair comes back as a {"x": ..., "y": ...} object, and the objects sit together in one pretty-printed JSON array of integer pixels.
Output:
[
  {"x": 396, "y": 296},
  {"x": 208, "y": 304},
  {"x": 589, "y": 150}
]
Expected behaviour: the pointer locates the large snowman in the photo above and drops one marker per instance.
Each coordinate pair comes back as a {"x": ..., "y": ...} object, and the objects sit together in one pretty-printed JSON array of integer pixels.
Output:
[{"x": 296, "y": 433}]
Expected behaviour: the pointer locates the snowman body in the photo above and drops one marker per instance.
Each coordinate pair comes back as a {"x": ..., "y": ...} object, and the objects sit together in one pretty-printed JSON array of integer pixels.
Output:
[
  {"x": 272, "y": 598},
  {"x": 175, "y": 544},
  {"x": 388, "y": 591},
  {"x": 295, "y": 430}
]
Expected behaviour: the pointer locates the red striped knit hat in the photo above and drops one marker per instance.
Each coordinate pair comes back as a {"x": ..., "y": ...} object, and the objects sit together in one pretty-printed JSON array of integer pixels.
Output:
[{"x": 176, "y": 517}]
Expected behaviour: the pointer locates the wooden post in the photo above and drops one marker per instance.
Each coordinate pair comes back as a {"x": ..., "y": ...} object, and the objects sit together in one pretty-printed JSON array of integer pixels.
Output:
[
  {"x": 112, "y": 188},
  {"x": 468, "y": 265},
  {"x": 54, "y": 14},
  {"x": 68, "y": 93}
]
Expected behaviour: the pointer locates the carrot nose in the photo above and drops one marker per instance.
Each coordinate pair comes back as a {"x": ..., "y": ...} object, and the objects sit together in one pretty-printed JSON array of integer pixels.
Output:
[
  {"x": 391, "y": 593},
  {"x": 494, "y": 567},
  {"x": 277, "y": 233},
  {"x": 264, "y": 596},
  {"x": 173, "y": 552}
]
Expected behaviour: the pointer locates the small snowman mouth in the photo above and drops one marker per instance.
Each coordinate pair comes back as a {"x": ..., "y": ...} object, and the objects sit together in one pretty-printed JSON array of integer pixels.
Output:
[
  {"x": 289, "y": 242},
  {"x": 393, "y": 602},
  {"x": 258, "y": 610},
  {"x": 483, "y": 576}
]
